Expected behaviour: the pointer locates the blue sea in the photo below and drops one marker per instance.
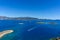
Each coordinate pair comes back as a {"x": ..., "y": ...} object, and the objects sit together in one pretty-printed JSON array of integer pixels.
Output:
[{"x": 30, "y": 29}]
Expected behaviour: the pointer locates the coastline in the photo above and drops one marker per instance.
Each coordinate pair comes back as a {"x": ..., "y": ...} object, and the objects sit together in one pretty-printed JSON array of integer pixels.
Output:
[{"x": 5, "y": 33}]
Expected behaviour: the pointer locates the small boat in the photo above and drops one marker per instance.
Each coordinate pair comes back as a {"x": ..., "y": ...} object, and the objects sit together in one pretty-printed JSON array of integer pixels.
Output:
[{"x": 21, "y": 23}]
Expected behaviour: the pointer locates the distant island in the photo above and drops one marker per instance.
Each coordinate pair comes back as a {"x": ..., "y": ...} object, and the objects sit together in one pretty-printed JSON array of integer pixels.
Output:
[
  {"x": 17, "y": 18},
  {"x": 21, "y": 18}
]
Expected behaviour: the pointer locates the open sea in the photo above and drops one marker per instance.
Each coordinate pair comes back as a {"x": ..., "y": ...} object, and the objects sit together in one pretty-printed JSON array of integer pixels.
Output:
[{"x": 30, "y": 29}]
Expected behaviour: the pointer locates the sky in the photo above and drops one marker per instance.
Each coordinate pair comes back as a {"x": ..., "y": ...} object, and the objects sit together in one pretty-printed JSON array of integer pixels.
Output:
[{"x": 45, "y": 9}]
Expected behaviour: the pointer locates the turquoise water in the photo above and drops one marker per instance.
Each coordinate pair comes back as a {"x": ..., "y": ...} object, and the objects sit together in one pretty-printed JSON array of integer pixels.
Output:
[{"x": 29, "y": 30}]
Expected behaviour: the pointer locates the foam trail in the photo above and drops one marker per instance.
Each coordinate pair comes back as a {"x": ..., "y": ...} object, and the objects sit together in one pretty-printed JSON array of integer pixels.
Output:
[{"x": 31, "y": 29}]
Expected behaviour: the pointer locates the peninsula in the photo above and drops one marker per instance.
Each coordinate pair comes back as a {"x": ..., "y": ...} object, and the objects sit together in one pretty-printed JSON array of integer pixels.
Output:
[{"x": 5, "y": 32}]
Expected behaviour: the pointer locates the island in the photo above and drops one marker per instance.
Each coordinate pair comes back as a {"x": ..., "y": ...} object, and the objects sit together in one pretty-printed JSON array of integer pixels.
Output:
[
  {"x": 17, "y": 18},
  {"x": 24, "y": 18},
  {"x": 5, "y": 33},
  {"x": 58, "y": 38}
]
